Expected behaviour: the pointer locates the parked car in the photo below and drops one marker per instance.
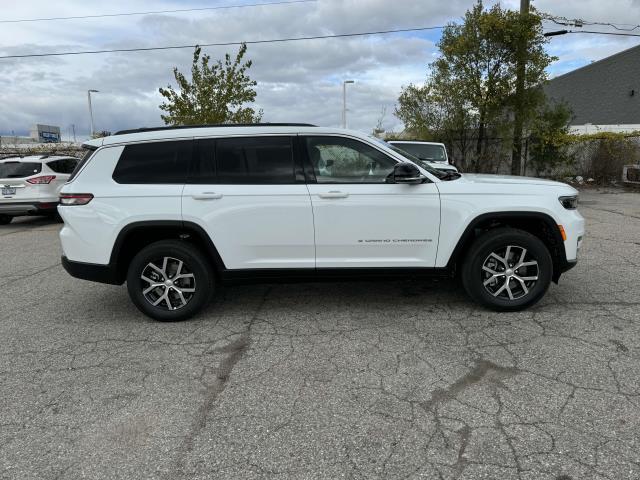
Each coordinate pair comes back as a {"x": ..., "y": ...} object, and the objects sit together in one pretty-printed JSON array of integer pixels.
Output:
[
  {"x": 31, "y": 185},
  {"x": 429, "y": 153},
  {"x": 177, "y": 211}
]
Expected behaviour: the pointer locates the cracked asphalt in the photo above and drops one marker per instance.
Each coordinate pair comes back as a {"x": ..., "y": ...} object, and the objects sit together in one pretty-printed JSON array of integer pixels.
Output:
[{"x": 401, "y": 379}]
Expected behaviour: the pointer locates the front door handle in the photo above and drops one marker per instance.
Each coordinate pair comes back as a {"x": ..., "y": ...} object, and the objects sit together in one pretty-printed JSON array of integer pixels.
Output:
[
  {"x": 333, "y": 194},
  {"x": 206, "y": 196}
]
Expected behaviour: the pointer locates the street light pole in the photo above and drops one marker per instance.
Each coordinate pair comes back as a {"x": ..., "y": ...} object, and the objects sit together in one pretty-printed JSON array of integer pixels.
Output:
[
  {"x": 91, "y": 110},
  {"x": 344, "y": 102}
]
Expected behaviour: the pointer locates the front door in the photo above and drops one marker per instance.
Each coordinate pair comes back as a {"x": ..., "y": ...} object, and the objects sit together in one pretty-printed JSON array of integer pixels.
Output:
[
  {"x": 362, "y": 221},
  {"x": 248, "y": 193}
]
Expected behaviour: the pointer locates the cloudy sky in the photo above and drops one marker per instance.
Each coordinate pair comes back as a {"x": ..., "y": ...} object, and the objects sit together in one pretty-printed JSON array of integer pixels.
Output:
[{"x": 297, "y": 81}]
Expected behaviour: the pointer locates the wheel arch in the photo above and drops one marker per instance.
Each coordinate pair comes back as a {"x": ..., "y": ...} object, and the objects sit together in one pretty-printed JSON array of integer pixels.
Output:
[
  {"x": 135, "y": 236},
  {"x": 539, "y": 224}
]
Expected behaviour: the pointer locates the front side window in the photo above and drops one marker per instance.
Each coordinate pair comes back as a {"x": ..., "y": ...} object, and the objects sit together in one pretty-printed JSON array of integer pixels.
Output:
[
  {"x": 344, "y": 160},
  {"x": 156, "y": 162},
  {"x": 255, "y": 160}
]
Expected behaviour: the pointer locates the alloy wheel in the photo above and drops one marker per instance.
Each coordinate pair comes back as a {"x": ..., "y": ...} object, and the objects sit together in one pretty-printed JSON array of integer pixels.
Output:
[
  {"x": 510, "y": 272},
  {"x": 167, "y": 283}
]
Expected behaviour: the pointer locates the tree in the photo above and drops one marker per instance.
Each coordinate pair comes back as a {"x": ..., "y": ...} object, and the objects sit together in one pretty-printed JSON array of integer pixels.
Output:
[
  {"x": 549, "y": 137},
  {"x": 418, "y": 111},
  {"x": 217, "y": 93},
  {"x": 470, "y": 92}
]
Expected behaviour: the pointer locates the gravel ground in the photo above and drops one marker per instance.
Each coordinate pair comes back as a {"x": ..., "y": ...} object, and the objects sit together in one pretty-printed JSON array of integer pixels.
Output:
[{"x": 355, "y": 380}]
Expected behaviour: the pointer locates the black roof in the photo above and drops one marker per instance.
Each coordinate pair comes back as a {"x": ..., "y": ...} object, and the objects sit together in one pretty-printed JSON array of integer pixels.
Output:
[{"x": 177, "y": 127}]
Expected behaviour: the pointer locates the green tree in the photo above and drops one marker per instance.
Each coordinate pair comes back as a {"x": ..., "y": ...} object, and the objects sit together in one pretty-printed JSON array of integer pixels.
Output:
[
  {"x": 471, "y": 90},
  {"x": 549, "y": 136},
  {"x": 217, "y": 93},
  {"x": 427, "y": 115},
  {"x": 418, "y": 111}
]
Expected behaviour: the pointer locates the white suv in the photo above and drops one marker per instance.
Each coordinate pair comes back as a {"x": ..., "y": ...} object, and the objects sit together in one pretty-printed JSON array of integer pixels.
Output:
[
  {"x": 31, "y": 185},
  {"x": 175, "y": 212},
  {"x": 430, "y": 153}
]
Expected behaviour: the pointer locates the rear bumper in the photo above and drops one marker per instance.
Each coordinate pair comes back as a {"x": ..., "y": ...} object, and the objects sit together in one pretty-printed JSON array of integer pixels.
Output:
[
  {"x": 90, "y": 271},
  {"x": 28, "y": 208}
]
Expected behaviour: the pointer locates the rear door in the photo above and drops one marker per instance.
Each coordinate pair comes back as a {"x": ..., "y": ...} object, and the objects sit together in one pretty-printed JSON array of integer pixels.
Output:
[{"x": 249, "y": 194}]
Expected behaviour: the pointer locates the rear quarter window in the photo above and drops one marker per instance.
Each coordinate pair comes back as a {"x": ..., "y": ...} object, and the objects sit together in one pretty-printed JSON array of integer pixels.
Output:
[
  {"x": 156, "y": 162},
  {"x": 87, "y": 155},
  {"x": 64, "y": 165}
]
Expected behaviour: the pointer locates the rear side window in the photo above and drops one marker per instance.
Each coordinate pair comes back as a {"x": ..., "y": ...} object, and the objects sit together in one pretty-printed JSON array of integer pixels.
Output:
[
  {"x": 157, "y": 162},
  {"x": 64, "y": 165},
  {"x": 255, "y": 160},
  {"x": 203, "y": 170},
  {"x": 11, "y": 169},
  {"x": 87, "y": 155}
]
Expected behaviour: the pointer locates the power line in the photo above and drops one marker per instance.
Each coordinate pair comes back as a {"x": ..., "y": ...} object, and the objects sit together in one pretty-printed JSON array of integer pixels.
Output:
[
  {"x": 220, "y": 44},
  {"x": 564, "y": 32},
  {"x": 577, "y": 22},
  {"x": 180, "y": 10}
]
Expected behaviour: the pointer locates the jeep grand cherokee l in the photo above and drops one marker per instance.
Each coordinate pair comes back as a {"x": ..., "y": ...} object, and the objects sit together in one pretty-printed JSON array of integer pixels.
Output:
[{"x": 175, "y": 212}]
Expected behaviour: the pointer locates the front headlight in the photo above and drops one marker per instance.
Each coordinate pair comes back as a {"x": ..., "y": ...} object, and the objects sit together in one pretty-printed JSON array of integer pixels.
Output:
[{"x": 569, "y": 202}]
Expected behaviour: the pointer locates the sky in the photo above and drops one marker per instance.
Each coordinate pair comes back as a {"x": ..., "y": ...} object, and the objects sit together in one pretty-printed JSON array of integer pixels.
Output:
[{"x": 297, "y": 81}]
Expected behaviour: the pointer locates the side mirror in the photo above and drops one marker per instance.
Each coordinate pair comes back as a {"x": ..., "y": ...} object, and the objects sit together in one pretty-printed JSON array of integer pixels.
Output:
[{"x": 405, "y": 172}]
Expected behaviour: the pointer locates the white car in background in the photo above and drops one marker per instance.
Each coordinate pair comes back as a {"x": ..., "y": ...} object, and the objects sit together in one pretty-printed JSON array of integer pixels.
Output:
[
  {"x": 430, "y": 153},
  {"x": 31, "y": 185}
]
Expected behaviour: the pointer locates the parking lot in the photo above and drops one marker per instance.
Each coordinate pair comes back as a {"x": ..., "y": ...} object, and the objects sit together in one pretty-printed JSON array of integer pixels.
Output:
[{"x": 404, "y": 379}]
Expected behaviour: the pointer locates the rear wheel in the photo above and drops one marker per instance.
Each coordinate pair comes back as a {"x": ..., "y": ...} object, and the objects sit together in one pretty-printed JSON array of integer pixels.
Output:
[
  {"x": 5, "y": 219},
  {"x": 170, "y": 280},
  {"x": 507, "y": 269}
]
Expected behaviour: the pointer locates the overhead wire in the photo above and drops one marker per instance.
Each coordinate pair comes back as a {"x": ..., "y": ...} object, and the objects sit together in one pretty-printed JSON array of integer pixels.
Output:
[
  {"x": 220, "y": 44},
  {"x": 152, "y": 12}
]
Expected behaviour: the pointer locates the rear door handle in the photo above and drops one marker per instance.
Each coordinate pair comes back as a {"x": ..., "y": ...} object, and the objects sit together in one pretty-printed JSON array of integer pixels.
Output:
[
  {"x": 333, "y": 194},
  {"x": 206, "y": 196}
]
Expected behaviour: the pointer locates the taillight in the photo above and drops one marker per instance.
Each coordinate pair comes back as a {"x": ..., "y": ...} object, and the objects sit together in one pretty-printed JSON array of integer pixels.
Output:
[
  {"x": 45, "y": 179},
  {"x": 75, "y": 198}
]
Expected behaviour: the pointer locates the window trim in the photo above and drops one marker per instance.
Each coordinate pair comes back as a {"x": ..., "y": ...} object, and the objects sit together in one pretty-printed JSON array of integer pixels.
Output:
[{"x": 310, "y": 172}]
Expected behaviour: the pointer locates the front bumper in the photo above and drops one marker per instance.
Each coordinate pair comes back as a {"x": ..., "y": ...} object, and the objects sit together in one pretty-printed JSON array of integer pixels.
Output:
[{"x": 28, "y": 208}]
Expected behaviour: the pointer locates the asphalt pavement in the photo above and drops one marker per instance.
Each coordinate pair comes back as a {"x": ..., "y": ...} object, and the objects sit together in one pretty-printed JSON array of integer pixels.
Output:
[{"x": 400, "y": 379}]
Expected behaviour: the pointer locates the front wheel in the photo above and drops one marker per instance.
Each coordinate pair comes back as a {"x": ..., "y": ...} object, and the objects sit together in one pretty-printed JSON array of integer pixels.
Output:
[
  {"x": 507, "y": 269},
  {"x": 170, "y": 280}
]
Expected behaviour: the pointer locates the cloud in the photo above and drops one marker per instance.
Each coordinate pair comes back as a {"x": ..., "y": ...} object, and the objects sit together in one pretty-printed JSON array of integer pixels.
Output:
[{"x": 297, "y": 81}]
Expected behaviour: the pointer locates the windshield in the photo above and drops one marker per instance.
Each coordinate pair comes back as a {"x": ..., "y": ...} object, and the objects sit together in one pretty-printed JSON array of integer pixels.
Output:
[
  {"x": 14, "y": 169},
  {"x": 425, "y": 151}
]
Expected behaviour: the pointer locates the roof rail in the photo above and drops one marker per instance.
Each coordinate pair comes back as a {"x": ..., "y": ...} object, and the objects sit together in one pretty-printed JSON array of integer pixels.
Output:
[{"x": 177, "y": 127}]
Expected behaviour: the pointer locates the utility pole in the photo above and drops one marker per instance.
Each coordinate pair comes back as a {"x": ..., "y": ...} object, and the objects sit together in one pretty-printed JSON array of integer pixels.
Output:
[
  {"x": 90, "y": 109},
  {"x": 521, "y": 67},
  {"x": 344, "y": 102},
  {"x": 73, "y": 127}
]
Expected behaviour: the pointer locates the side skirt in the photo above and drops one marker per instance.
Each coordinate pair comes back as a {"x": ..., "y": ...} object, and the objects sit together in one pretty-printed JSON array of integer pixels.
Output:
[{"x": 301, "y": 275}]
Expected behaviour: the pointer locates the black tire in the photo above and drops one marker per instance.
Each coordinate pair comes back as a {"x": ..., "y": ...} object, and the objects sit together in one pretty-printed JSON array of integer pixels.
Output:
[
  {"x": 5, "y": 219},
  {"x": 496, "y": 295},
  {"x": 176, "y": 251}
]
